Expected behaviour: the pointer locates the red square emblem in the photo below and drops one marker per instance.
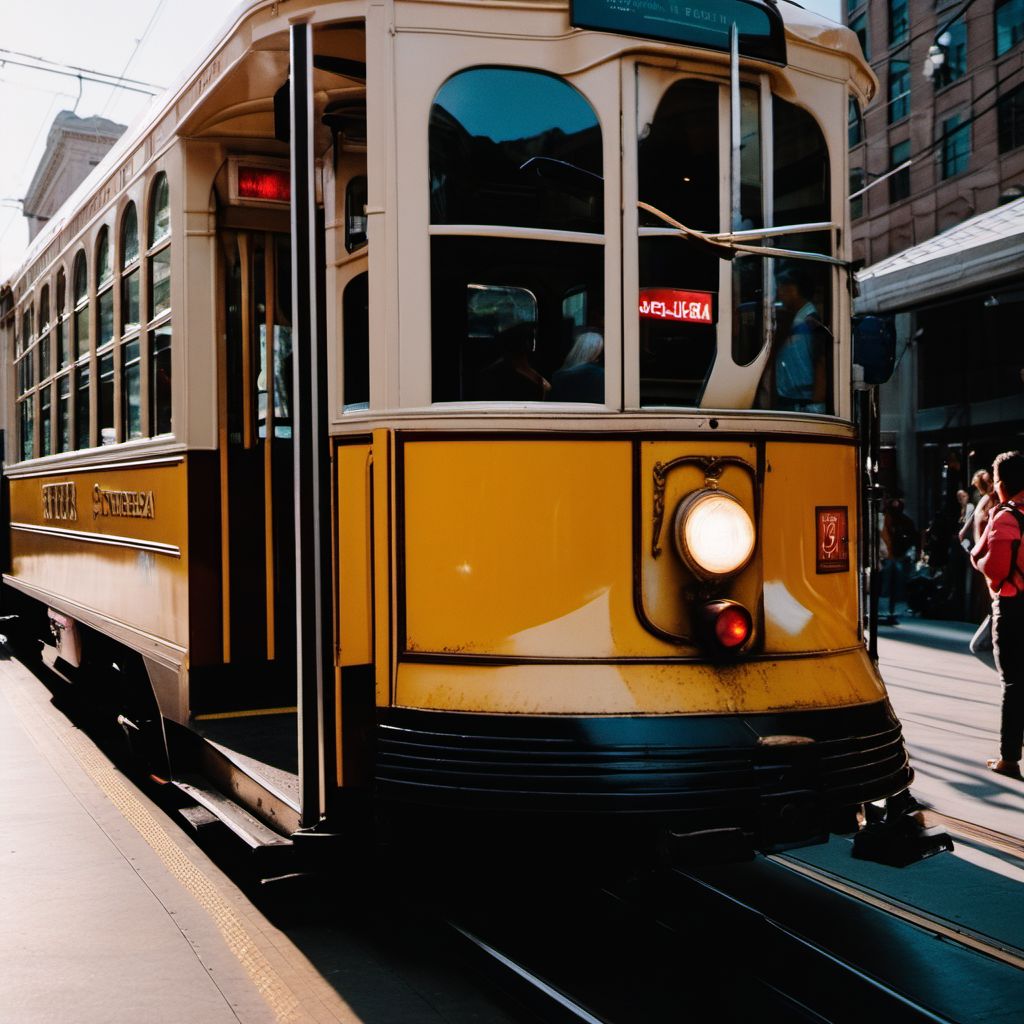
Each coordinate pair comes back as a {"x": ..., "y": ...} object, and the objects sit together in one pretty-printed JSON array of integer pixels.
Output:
[{"x": 833, "y": 543}]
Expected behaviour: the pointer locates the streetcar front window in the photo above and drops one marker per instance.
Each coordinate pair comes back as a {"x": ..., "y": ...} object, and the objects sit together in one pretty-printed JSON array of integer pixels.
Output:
[
  {"x": 517, "y": 221},
  {"x": 679, "y": 174},
  {"x": 756, "y": 333}
]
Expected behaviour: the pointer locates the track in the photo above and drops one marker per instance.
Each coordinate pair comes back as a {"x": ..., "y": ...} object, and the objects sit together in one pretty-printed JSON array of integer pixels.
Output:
[{"x": 771, "y": 937}]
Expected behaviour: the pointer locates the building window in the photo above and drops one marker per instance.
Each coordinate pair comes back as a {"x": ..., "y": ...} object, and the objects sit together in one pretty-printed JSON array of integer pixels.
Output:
[
  {"x": 899, "y": 22},
  {"x": 852, "y": 5},
  {"x": 899, "y": 90},
  {"x": 953, "y": 45},
  {"x": 855, "y": 123},
  {"x": 899, "y": 183},
  {"x": 956, "y": 146},
  {"x": 1009, "y": 25},
  {"x": 158, "y": 307},
  {"x": 1010, "y": 109},
  {"x": 80, "y": 285},
  {"x": 857, "y": 183},
  {"x": 859, "y": 26}
]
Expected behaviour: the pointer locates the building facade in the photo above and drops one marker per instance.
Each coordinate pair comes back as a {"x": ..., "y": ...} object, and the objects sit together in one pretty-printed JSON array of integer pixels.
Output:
[
  {"x": 936, "y": 183},
  {"x": 74, "y": 146},
  {"x": 944, "y": 139}
]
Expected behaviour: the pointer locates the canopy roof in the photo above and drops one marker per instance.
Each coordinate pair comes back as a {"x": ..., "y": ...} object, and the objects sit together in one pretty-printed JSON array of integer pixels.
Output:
[{"x": 976, "y": 254}]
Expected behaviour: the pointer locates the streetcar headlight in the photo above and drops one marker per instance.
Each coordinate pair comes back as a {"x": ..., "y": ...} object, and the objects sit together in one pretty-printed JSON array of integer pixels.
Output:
[{"x": 714, "y": 534}]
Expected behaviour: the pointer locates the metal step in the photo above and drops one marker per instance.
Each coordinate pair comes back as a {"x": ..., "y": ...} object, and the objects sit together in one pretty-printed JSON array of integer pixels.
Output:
[{"x": 257, "y": 836}]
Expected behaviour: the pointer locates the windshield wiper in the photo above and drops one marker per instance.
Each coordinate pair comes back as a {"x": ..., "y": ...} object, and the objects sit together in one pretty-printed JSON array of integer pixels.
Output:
[{"x": 727, "y": 247}]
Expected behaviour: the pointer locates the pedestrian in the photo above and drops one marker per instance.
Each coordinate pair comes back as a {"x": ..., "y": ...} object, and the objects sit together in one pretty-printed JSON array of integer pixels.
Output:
[
  {"x": 899, "y": 538},
  {"x": 980, "y": 606},
  {"x": 999, "y": 555}
]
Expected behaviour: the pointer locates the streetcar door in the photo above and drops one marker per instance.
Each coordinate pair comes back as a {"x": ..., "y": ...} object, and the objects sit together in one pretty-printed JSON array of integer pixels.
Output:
[{"x": 258, "y": 556}]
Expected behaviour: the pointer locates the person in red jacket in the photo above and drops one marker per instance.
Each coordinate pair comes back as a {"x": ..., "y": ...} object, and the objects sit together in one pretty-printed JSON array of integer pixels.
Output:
[{"x": 999, "y": 555}]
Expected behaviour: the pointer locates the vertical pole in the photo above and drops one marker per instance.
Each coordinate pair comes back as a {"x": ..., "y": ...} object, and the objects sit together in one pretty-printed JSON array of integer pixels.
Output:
[
  {"x": 309, "y": 436},
  {"x": 735, "y": 140}
]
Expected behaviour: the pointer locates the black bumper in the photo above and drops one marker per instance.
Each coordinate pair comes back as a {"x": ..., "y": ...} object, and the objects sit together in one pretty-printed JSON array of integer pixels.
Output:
[{"x": 700, "y": 771}]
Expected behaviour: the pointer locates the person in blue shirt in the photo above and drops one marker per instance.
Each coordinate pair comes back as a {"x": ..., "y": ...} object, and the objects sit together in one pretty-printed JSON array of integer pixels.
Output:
[{"x": 800, "y": 362}]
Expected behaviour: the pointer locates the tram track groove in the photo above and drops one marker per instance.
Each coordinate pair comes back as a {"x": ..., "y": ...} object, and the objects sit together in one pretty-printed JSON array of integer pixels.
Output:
[
  {"x": 939, "y": 926},
  {"x": 550, "y": 996},
  {"x": 1000, "y": 841}
]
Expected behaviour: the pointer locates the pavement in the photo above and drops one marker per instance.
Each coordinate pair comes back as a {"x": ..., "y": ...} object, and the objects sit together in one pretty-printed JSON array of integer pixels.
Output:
[
  {"x": 948, "y": 702},
  {"x": 110, "y": 914}
]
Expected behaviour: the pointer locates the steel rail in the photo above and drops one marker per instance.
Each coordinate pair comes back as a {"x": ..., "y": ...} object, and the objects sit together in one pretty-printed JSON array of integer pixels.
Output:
[
  {"x": 1000, "y": 841},
  {"x": 933, "y": 923},
  {"x": 555, "y": 999},
  {"x": 896, "y": 1003}
]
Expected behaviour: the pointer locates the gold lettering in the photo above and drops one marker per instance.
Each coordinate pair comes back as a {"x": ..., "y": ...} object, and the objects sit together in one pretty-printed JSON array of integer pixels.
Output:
[
  {"x": 59, "y": 501},
  {"x": 123, "y": 504}
]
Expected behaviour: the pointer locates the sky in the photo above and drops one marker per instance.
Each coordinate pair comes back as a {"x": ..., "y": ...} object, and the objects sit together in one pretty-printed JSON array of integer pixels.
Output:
[{"x": 152, "y": 41}]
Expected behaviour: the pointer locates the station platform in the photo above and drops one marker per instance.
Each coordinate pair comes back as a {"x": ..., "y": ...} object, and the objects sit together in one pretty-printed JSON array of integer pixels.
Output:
[{"x": 110, "y": 914}]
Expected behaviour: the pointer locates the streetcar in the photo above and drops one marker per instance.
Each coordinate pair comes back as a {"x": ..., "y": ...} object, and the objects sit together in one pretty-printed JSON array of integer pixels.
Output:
[{"x": 448, "y": 406}]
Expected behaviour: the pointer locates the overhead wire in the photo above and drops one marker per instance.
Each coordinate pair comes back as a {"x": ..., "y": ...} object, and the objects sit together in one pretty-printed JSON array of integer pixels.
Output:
[
  {"x": 73, "y": 71},
  {"x": 138, "y": 43}
]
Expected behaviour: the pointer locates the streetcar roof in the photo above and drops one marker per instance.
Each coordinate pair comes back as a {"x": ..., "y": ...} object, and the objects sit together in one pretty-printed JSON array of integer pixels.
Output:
[{"x": 805, "y": 29}]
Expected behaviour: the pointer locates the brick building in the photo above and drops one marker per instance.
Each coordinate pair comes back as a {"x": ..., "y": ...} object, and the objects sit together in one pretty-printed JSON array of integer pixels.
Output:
[
  {"x": 938, "y": 230},
  {"x": 951, "y": 102}
]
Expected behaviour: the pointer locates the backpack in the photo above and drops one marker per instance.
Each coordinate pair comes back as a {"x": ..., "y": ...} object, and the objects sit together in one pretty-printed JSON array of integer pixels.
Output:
[{"x": 1016, "y": 569}]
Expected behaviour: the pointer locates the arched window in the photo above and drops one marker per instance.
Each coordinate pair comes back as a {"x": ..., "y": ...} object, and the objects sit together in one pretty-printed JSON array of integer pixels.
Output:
[
  {"x": 158, "y": 308},
  {"x": 105, "y": 338},
  {"x": 45, "y": 369},
  {"x": 25, "y": 357},
  {"x": 62, "y": 332},
  {"x": 131, "y": 356},
  {"x": 80, "y": 286},
  {"x": 518, "y": 150}
]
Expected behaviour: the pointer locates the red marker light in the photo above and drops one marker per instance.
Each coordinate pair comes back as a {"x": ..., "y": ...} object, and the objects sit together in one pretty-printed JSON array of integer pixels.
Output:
[
  {"x": 732, "y": 626},
  {"x": 726, "y": 624},
  {"x": 269, "y": 183}
]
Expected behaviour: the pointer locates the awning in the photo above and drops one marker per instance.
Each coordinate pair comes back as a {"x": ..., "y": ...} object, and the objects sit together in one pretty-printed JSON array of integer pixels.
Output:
[{"x": 974, "y": 255}]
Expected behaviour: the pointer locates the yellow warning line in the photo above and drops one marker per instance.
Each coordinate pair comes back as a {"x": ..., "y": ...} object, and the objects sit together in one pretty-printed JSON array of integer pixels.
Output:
[{"x": 250, "y": 713}]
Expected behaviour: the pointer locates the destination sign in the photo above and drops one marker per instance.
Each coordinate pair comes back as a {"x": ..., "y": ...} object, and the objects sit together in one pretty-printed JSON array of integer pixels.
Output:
[
  {"x": 707, "y": 25},
  {"x": 674, "y": 304}
]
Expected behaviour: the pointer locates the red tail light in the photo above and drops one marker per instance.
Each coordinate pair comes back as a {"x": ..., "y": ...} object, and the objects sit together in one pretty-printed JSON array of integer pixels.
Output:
[{"x": 729, "y": 624}]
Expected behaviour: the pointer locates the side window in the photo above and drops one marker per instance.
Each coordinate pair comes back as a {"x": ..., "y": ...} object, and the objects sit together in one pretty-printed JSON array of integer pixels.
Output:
[
  {"x": 519, "y": 151},
  {"x": 130, "y": 353},
  {"x": 25, "y": 361},
  {"x": 158, "y": 306},
  {"x": 45, "y": 370},
  {"x": 356, "y": 328},
  {"x": 80, "y": 284},
  {"x": 105, "y": 337},
  {"x": 62, "y": 333},
  {"x": 355, "y": 213}
]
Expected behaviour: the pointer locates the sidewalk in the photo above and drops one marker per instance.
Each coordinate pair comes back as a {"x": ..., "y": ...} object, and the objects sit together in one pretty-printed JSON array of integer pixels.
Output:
[{"x": 949, "y": 704}]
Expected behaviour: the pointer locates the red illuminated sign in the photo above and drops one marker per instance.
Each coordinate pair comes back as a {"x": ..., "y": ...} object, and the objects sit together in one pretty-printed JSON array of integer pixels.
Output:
[
  {"x": 270, "y": 183},
  {"x": 676, "y": 305},
  {"x": 833, "y": 538}
]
